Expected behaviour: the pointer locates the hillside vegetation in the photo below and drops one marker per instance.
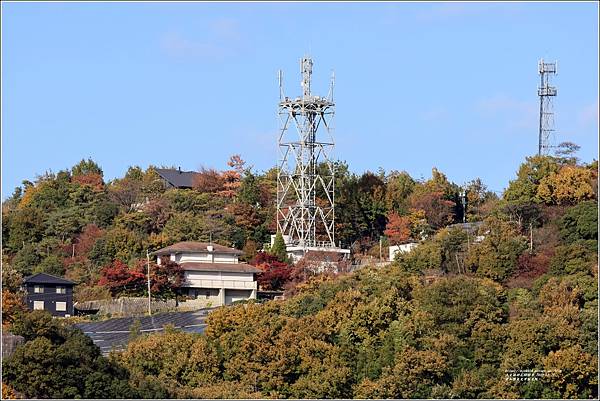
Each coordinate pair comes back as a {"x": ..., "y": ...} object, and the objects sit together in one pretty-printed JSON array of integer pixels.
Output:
[{"x": 448, "y": 320}]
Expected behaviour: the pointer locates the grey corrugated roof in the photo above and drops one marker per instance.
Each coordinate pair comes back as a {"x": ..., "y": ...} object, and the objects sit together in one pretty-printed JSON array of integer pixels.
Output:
[
  {"x": 45, "y": 278},
  {"x": 177, "y": 178}
]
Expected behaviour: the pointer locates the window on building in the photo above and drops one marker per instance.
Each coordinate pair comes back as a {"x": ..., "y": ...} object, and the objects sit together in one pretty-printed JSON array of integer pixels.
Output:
[
  {"x": 38, "y": 289},
  {"x": 61, "y": 306},
  {"x": 61, "y": 290},
  {"x": 38, "y": 305}
]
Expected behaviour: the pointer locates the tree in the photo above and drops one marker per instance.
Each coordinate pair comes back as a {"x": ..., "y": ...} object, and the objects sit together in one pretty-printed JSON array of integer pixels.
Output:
[
  {"x": 86, "y": 167},
  {"x": 12, "y": 307},
  {"x": 51, "y": 264},
  {"x": 232, "y": 178},
  {"x": 118, "y": 277},
  {"x": 398, "y": 189},
  {"x": 569, "y": 186},
  {"x": 126, "y": 191},
  {"x": 565, "y": 151},
  {"x": 278, "y": 249},
  {"x": 525, "y": 187},
  {"x": 57, "y": 361},
  {"x": 572, "y": 373},
  {"x": 165, "y": 278},
  {"x": 93, "y": 180},
  {"x": 275, "y": 273},
  {"x": 26, "y": 225},
  {"x": 12, "y": 279},
  {"x": 579, "y": 256},
  {"x": 208, "y": 180},
  {"x": 438, "y": 211},
  {"x": 413, "y": 375},
  {"x": 398, "y": 228},
  {"x": 497, "y": 255},
  {"x": 580, "y": 222},
  {"x": 26, "y": 259}
]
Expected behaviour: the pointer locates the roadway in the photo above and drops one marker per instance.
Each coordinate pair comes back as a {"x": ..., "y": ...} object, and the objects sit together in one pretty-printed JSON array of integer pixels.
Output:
[{"x": 113, "y": 335}]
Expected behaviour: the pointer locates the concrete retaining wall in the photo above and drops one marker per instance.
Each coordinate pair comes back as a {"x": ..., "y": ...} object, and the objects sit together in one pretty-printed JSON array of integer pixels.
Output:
[
  {"x": 126, "y": 306},
  {"x": 10, "y": 343}
]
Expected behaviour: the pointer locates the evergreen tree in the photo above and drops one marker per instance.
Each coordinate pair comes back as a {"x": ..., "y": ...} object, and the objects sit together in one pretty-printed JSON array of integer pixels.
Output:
[{"x": 278, "y": 248}]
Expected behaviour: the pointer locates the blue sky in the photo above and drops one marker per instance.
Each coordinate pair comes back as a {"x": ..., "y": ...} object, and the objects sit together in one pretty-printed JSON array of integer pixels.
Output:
[{"x": 418, "y": 85}]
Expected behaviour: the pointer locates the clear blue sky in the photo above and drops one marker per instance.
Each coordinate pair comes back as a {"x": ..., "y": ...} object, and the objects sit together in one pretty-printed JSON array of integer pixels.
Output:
[{"x": 418, "y": 85}]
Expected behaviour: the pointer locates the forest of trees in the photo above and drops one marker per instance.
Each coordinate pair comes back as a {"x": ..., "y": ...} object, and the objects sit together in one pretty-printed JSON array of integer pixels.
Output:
[{"x": 447, "y": 320}]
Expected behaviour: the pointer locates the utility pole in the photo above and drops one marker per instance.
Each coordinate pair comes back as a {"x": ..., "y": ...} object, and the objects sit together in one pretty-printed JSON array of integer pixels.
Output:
[
  {"x": 149, "y": 297},
  {"x": 463, "y": 198}
]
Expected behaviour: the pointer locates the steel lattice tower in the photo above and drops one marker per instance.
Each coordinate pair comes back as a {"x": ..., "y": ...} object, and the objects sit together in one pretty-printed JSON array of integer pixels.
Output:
[
  {"x": 546, "y": 93},
  {"x": 305, "y": 177}
]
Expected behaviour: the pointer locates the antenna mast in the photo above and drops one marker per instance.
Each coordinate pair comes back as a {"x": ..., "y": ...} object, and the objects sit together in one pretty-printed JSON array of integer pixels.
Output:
[
  {"x": 546, "y": 93},
  {"x": 305, "y": 168}
]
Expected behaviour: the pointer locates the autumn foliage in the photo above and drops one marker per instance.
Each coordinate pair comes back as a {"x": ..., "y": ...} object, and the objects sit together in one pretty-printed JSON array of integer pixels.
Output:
[
  {"x": 275, "y": 274},
  {"x": 12, "y": 306},
  {"x": 438, "y": 210},
  {"x": 119, "y": 278},
  {"x": 123, "y": 279},
  {"x": 398, "y": 228}
]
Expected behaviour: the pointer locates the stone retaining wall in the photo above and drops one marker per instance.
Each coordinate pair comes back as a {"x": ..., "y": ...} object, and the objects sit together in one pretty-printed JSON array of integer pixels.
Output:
[{"x": 127, "y": 306}]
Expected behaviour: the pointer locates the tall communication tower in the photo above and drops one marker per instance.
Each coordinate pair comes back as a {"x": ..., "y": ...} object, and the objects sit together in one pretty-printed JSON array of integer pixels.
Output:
[
  {"x": 305, "y": 177},
  {"x": 546, "y": 93}
]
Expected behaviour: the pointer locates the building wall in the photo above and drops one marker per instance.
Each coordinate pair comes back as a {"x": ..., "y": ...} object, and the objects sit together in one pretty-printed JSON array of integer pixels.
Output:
[
  {"x": 205, "y": 257},
  {"x": 50, "y": 297},
  {"x": 237, "y": 295},
  {"x": 199, "y": 279},
  {"x": 404, "y": 248}
]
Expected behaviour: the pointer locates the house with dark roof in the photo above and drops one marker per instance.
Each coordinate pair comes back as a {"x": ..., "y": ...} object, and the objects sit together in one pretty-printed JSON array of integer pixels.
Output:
[
  {"x": 50, "y": 293},
  {"x": 176, "y": 178},
  {"x": 213, "y": 274}
]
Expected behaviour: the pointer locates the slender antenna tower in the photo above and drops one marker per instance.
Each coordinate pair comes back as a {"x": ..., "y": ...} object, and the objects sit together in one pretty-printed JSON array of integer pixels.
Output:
[
  {"x": 546, "y": 93},
  {"x": 305, "y": 176}
]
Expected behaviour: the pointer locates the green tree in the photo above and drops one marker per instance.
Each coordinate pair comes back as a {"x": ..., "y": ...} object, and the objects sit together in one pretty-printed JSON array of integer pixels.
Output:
[
  {"x": 580, "y": 222},
  {"x": 61, "y": 362},
  {"x": 525, "y": 187},
  {"x": 278, "y": 249},
  {"x": 51, "y": 264},
  {"x": 399, "y": 186},
  {"x": 496, "y": 256},
  {"x": 573, "y": 373},
  {"x": 86, "y": 167}
]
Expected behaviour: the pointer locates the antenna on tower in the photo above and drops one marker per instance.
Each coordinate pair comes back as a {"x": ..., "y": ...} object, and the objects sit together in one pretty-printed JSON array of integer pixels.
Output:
[
  {"x": 331, "y": 85},
  {"x": 280, "y": 78},
  {"x": 546, "y": 93}
]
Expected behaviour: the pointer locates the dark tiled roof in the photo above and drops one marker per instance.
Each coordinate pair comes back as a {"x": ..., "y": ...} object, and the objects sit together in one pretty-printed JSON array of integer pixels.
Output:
[
  {"x": 192, "y": 246},
  {"x": 177, "y": 178},
  {"x": 45, "y": 278},
  {"x": 222, "y": 267}
]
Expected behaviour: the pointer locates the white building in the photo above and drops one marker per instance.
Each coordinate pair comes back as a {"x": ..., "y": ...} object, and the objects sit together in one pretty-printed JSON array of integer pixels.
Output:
[
  {"x": 403, "y": 248},
  {"x": 297, "y": 252},
  {"x": 213, "y": 276}
]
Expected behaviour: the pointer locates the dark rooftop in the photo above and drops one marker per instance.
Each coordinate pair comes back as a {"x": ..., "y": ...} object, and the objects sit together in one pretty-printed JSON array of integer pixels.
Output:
[
  {"x": 45, "y": 278},
  {"x": 177, "y": 178}
]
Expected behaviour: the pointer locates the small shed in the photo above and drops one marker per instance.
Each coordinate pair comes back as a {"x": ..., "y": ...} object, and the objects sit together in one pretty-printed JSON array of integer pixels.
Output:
[{"x": 50, "y": 293}]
